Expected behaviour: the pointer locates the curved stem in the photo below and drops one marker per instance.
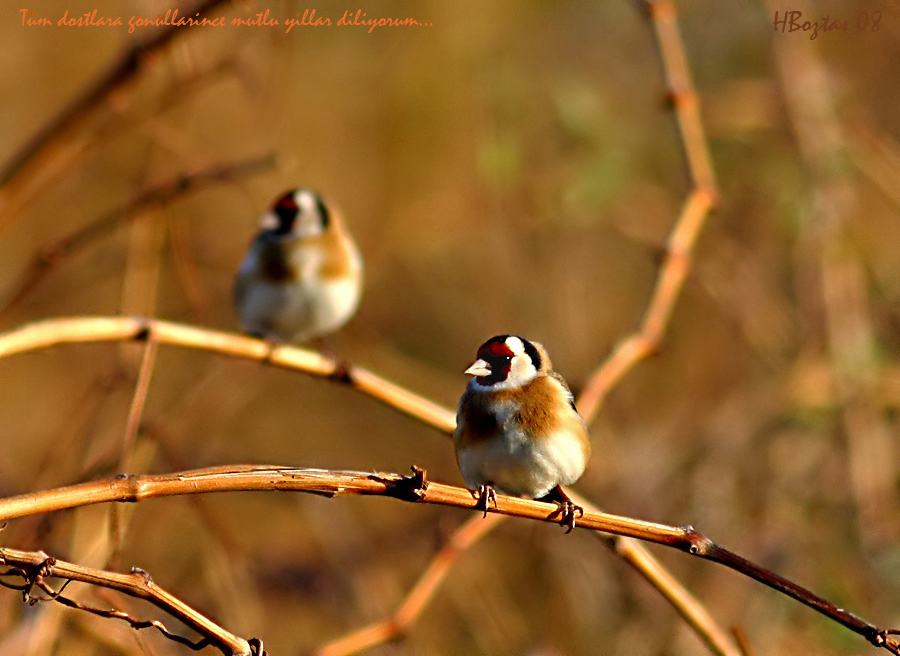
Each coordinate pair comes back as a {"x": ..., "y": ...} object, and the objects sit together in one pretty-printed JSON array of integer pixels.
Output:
[{"x": 44, "y": 334}]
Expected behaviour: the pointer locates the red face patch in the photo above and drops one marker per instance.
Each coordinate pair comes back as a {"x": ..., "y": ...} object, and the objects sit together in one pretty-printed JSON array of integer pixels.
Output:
[
  {"x": 493, "y": 349},
  {"x": 286, "y": 202}
]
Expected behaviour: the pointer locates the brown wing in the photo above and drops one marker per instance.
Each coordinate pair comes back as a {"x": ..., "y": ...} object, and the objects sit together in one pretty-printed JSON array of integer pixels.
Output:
[{"x": 562, "y": 381}]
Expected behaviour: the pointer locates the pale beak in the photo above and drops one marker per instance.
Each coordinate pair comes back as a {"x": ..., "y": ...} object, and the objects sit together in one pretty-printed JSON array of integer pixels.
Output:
[
  {"x": 479, "y": 368},
  {"x": 269, "y": 221}
]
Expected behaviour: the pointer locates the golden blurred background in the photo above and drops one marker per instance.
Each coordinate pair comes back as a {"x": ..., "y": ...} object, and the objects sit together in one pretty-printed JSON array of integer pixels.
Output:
[{"x": 511, "y": 167}]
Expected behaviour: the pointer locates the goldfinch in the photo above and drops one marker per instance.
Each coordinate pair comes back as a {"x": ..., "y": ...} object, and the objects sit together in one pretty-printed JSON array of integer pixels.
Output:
[
  {"x": 302, "y": 276},
  {"x": 517, "y": 428}
]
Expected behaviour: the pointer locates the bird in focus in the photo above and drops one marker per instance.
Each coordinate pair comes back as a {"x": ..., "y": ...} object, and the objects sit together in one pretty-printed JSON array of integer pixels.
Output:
[
  {"x": 517, "y": 428},
  {"x": 302, "y": 275}
]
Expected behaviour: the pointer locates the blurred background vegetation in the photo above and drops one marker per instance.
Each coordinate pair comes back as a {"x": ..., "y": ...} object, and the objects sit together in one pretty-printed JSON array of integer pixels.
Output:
[{"x": 513, "y": 167}]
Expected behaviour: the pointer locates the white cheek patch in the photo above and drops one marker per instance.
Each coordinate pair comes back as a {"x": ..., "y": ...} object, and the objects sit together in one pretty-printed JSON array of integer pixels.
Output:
[{"x": 522, "y": 371}]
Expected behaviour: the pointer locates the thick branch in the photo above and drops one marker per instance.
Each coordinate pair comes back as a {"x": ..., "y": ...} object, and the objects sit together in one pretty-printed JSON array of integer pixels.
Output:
[
  {"x": 139, "y": 487},
  {"x": 133, "y": 488}
]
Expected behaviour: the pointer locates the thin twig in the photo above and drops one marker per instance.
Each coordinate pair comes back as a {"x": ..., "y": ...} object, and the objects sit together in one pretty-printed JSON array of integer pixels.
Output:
[
  {"x": 646, "y": 341},
  {"x": 647, "y": 565},
  {"x": 138, "y": 401},
  {"x": 119, "y": 73},
  {"x": 667, "y": 289},
  {"x": 853, "y": 349},
  {"x": 418, "y": 597},
  {"x": 155, "y": 196},
  {"x": 127, "y": 488},
  {"x": 686, "y": 103},
  {"x": 34, "y": 567},
  {"x": 118, "y": 520},
  {"x": 699, "y": 202}
]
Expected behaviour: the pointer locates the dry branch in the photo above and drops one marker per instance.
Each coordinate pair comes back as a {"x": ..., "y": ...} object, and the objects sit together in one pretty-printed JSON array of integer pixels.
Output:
[
  {"x": 833, "y": 201},
  {"x": 44, "y": 334},
  {"x": 634, "y": 349},
  {"x": 155, "y": 196},
  {"x": 33, "y": 568},
  {"x": 665, "y": 293},
  {"x": 699, "y": 202},
  {"x": 120, "y": 72},
  {"x": 418, "y": 597},
  {"x": 667, "y": 289},
  {"x": 415, "y": 489},
  {"x": 685, "y": 101},
  {"x": 691, "y": 610},
  {"x": 97, "y": 329},
  {"x": 245, "y": 478}
]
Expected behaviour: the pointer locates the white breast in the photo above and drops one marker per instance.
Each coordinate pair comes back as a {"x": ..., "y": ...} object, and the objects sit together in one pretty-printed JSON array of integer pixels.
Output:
[
  {"x": 312, "y": 306},
  {"x": 520, "y": 466}
]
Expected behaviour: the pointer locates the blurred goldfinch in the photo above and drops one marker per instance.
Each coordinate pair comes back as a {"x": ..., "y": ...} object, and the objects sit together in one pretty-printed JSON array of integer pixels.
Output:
[{"x": 302, "y": 276}]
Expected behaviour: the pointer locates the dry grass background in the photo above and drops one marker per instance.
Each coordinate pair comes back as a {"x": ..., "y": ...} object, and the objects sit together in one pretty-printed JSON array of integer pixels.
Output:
[{"x": 512, "y": 168}]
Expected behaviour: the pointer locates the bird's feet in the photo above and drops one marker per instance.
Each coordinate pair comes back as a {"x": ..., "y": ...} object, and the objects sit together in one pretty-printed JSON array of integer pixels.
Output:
[
  {"x": 486, "y": 496},
  {"x": 566, "y": 509}
]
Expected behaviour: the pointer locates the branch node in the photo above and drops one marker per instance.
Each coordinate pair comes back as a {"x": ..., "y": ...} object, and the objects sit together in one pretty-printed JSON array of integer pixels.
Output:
[
  {"x": 658, "y": 9},
  {"x": 682, "y": 99},
  {"x": 408, "y": 488},
  {"x": 49, "y": 256},
  {"x": 143, "y": 333},
  {"x": 130, "y": 492},
  {"x": 881, "y": 638},
  {"x": 697, "y": 543},
  {"x": 648, "y": 345},
  {"x": 397, "y": 630},
  {"x": 343, "y": 373},
  {"x": 142, "y": 574},
  {"x": 710, "y": 194},
  {"x": 270, "y": 349},
  {"x": 35, "y": 578}
]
